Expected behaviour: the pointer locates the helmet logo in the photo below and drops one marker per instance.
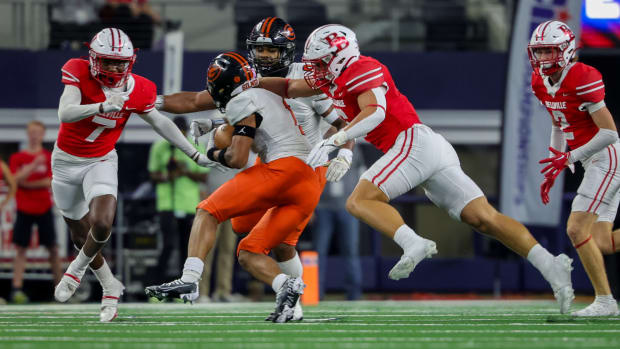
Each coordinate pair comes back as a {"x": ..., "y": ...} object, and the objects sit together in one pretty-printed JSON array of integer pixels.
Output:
[
  {"x": 339, "y": 42},
  {"x": 214, "y": 72},
  {"x": 291, "y": 34},
  {"x": 565, "y": 30}
]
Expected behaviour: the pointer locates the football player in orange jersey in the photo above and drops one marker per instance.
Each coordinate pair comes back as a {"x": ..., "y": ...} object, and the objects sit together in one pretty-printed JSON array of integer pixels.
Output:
[{"x": 573, "y": 94}]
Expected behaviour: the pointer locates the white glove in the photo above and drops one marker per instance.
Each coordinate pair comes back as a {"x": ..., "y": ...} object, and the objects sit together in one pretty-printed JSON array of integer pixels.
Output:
[
  {"x": 114, "y": 103},
  {"x": 198, "y": 128},
  {"x": 204, "y": 161},
  {"x": 339, "y": 166},
  {"x": 319, "y": 155}
]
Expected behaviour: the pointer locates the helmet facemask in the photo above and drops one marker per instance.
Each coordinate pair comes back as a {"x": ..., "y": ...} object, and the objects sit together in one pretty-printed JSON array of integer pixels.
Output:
[
  {"x": 103, "y": 69},
  {"x": 317, "y": 73},
  {"x": 269, "y": 33}
]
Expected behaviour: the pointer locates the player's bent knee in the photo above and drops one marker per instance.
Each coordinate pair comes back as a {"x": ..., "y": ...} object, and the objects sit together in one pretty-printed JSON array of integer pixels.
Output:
[
  {"x": 481, "y": 216},
  {"x": 352, "y": 206},
  {"x": 576, "y": 233}
]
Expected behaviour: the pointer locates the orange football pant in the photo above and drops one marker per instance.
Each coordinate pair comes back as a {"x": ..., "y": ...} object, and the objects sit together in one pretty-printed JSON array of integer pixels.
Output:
[{"x": 277, "y": 200}]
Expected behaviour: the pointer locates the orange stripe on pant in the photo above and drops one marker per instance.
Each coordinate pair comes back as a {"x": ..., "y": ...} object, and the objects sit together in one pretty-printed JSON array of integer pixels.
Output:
[{"x": 286, "y": 191}]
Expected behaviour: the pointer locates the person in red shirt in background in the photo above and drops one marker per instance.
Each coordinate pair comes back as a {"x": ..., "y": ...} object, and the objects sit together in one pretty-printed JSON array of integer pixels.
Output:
[{"x": 33, "y": 174}]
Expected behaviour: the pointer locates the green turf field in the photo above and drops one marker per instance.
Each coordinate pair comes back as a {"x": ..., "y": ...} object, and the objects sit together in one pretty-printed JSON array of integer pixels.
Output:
[{"x": 428, "y": 324}]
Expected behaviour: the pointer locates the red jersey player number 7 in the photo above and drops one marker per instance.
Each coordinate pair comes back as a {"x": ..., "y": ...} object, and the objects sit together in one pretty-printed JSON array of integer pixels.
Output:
[{"x": 100, "y": 95}]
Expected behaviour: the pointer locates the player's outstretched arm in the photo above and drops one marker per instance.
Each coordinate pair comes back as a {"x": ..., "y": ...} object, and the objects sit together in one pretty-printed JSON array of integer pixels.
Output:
[
  {"x": 606, "y": 135},
  {"x": 69, "y": 107},
  {"x": 288, "y": 88},
  {"x": 185, "y": 102},
  {"x": 167, "y": 129}
]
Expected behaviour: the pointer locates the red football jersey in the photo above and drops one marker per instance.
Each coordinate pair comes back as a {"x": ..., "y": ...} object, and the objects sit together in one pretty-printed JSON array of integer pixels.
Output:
[
  {"x": 361, "y": 76},
  {"x": 566, "y": 101},
  {"x": 33, "y": 201},
  {"x": 96, "y": 135}
]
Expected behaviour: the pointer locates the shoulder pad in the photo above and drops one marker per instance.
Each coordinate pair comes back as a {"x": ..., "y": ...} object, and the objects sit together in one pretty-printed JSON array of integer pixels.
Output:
[
  {"x": 241, "y": 106},
  {"x": 74, "y": 71}
]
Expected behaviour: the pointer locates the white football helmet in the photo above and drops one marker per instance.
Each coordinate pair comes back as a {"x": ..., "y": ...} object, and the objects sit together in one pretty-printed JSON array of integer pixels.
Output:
[
  {"x": 328, "y": 51},
  {"x": 557, "y": 37},
  {"x": 107, "y": 46}
]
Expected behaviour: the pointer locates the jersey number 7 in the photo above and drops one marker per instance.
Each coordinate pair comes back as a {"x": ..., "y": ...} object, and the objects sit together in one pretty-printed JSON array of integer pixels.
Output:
[{"x": 105, "y": 123}]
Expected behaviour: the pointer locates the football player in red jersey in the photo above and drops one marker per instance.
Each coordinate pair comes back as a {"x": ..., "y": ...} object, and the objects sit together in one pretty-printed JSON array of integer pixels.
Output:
[
  {"x": 99, "y": 96},
  {"x": 574, "y": 93},
  {"x": 366, "y": 96}
]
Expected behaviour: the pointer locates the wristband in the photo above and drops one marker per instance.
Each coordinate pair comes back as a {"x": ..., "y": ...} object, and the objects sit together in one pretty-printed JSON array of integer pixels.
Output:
[
  {"x": 210, "y": 155},
  {"x": 159, "y": 102},
  {"x": 221, "y": 159}
]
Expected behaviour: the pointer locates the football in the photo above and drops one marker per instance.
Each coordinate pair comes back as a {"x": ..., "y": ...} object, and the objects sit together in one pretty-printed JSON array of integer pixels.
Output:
[{"x": 223, "y": 136}]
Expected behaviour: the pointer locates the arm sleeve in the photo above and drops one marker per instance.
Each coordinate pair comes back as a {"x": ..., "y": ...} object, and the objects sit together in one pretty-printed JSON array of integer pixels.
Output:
[
  {"x": 371, "y": 121},
  {"x": 600, "y": 141},
  {"x": 558, "y": 139},
  {"x": 69, "y": 107},
  {"x": 321, "y": 104},
  {"x": 167, "y": 129}
]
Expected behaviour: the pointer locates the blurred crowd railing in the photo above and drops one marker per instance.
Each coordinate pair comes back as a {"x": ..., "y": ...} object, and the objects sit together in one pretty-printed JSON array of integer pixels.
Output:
[{"x": 381, "y": 25}]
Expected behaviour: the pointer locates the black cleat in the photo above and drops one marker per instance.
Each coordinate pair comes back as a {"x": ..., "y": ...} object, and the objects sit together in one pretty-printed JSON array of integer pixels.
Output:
[
  {"x": 187, "y": 291},
  {"x": 286, "y": 298}
]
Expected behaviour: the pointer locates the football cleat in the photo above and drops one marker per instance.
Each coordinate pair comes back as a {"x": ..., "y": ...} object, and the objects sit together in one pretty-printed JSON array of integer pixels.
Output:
[
  {"x": 298, "y": 313},
  {"x": 598, "y": 308},
  {"x": 561, "y": 284},
  {"x": 109, "y": 301},
  {"x": 187, "y": 291},
  {"x": 66, "y": 287},
  {"x": 287, "y": 298},
  {"x": 409, "y": 260}
]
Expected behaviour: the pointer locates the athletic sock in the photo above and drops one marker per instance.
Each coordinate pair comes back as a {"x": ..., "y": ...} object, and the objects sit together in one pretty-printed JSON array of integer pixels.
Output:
[
  {"x": 608, "y": 298},
  {"x": 541, "y": 259},
  {"x": 104, "y": 275},
  {"x": 278, "y": 281},
  {"x": 192, "y": 270},
  {"x": 292, "y": 267},
  {"x": 78, "y": 267},
  {"x": 406, "y": 238}
]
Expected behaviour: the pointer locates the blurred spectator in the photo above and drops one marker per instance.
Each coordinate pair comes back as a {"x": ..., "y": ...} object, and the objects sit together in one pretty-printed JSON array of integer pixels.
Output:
[
  {"x": 135, "y": 17},
  {"x": 73, "y": 22},
  {"x": 331, "y": 217},
  {"x": 177, "y": 179},
  {"x": 33, "y": 174}
]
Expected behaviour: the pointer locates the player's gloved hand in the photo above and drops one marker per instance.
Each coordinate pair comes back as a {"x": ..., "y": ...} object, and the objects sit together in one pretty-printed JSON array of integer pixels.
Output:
[
  {"x": 319, "y": 155},
  {"x": 113, "y": 103},
  {"x": 198, "y": 128},
  {"x": 204, "y": 161},
  {"x": 339, "y": 165},
  {"x": 556, "y": 163},
  {"x": 545, "y": 187}
]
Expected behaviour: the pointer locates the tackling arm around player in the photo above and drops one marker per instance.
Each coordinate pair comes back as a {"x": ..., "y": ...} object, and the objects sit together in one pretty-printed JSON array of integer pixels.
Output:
[
  {"x": 573, "y": 94},
  {"x": 365, "y": 91}
]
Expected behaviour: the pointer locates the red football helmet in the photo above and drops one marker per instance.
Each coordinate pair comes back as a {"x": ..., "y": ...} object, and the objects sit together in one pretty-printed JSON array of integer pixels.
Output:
[{"x": 111, "y": 57}]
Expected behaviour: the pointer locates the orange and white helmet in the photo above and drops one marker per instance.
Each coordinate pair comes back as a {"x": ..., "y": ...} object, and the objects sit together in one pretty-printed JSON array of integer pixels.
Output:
[
  {"x": 111, "y": 44},
  {"x": 328, "y": 51},
  {"x": 557, "y": 36}
]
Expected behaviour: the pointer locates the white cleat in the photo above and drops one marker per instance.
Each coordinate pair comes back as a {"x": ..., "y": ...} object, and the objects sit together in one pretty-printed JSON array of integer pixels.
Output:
[
  {"x": 109, "y": 301},
  {"x": 598, "y": 308},
  {"x": 408, "y": 261},
  {"x": 298, "y": 313},
  {"x": 562, "y": 285},
  {"x": 66, "y": 287}
]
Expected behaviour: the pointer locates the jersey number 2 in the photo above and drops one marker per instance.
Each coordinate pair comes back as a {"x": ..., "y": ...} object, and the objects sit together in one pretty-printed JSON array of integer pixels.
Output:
[
  {"x": 105, "y": 123},
  {"x": 560, "y": 119}
]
